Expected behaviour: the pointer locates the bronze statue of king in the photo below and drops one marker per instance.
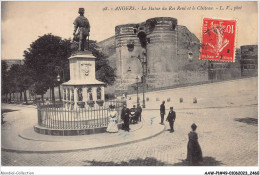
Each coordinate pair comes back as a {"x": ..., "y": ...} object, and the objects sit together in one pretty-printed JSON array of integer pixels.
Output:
[{"x": 81, "y": 24}]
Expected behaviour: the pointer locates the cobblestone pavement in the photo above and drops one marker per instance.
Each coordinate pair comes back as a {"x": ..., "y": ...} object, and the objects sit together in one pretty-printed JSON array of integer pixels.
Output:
[
  {"x": 18, "y": 134},
  {"x": 224, "y": 141},
  {"x": 227, "y": 123}
]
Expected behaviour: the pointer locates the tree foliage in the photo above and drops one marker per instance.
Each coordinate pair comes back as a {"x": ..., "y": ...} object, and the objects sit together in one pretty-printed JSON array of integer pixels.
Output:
[
  {"x": 104, "y": 72},
  {"x": 41, "y": 60},
  {"x": 4, "y": 76},
  {"x": 43, "y": 57},
  {"x": 18, "y": 79},
  {"x": 13, "y": 79}
]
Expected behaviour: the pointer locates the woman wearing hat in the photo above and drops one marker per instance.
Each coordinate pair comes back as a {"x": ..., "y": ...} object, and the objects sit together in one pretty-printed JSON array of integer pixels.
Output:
[
  {"x": 113, "y": 120},
  {"x": 194, "y": 153}
]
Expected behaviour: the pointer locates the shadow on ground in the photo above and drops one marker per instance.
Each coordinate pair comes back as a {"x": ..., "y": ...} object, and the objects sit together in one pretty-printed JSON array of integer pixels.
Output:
[
  {"x": 5, "y": 111},
  {"x": 207, "y": 161},
  {"x": 148, "y": 161},
  {"x": 247, "y": 120}
]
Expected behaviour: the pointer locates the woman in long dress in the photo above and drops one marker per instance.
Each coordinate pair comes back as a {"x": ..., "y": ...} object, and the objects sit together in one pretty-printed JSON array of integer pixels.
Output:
[
  {"x": 194, "y": 153},
  {"x": 113, "y": 120}
]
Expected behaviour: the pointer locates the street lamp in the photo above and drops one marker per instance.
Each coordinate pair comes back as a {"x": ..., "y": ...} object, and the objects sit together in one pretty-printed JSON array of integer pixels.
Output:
[
  {"x": 58, "y": 77},
  {"x": 143, "y": 62},
  {"x": 58, "y": 69},
  {"x": 137, "y": 90}
]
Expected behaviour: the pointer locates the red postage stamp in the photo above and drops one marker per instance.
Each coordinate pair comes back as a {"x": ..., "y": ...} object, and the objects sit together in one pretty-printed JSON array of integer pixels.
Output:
[{"x": 218, "y": 40}]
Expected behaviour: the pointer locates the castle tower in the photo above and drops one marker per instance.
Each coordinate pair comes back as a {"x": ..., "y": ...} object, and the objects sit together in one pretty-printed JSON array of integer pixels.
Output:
[
  {"x": 161, "y": 50},
  {"x": 167, "y": 52},
  {"x": 128, "y": 48}
]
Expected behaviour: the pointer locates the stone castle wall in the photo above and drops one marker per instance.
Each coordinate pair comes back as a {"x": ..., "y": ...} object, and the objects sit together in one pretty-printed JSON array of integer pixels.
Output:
[
  {"x": 127, "y": 49},
  {"x": 172, "y": 55},
  {"x": 163, "y": 62},
  {"x": 162, "y": 45},
  {"x": 249, "y": 60},
  {"x": 246, "y": 64}
]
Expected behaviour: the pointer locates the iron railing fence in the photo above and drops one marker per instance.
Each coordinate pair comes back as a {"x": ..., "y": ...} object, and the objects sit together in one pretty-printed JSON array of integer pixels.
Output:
[{"x": 61, "y": 116}]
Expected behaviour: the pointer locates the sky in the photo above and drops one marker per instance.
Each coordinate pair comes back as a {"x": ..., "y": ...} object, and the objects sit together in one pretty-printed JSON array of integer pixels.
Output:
[{"x": 23, "y": 22}]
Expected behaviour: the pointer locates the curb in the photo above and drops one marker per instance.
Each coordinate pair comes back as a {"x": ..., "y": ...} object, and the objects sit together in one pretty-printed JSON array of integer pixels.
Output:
[
  {"x": 83, "y": 149},
  {"x": 209, "y": 107},
  {"x": 33, "y": 139}
]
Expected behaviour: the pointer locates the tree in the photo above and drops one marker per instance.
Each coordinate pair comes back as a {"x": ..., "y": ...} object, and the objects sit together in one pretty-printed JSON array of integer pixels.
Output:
[
  {"x": 104, "y": 72},
  {"x": 19, "y": 80},
  {"x": 49, "y": 52},
  {"x": 24, "y": 80},
  {"x": 12, "y": 77},
  {"x": 44, "y": 54},
  {"x": 4, "y": 85}
]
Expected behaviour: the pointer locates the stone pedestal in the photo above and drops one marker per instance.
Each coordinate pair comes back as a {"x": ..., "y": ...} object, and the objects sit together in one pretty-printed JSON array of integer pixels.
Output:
[{"x": 83, "y": 89}]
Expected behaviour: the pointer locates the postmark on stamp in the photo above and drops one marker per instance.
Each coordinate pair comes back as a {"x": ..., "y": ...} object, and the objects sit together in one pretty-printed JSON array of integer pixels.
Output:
[{"x": 218, "y": 40}]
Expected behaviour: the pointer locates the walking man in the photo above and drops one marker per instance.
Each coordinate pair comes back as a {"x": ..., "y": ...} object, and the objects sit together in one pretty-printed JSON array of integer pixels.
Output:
[
  {"x": 162, "y": 112},
  {"x": 171, "y": 118}
]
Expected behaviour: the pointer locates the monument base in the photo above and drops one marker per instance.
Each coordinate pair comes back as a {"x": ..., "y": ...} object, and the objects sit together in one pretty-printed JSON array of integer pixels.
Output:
[
  {"x": 71, "y": 132},
  {"x": 86, "y": 52}
]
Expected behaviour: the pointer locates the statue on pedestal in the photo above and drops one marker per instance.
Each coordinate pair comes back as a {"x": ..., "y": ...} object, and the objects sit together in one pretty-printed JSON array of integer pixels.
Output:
[{"x": 82, "y": 24}]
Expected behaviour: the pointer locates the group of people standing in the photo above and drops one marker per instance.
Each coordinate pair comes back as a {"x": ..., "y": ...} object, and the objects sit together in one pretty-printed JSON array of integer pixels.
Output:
[
  {"x": 133, "y": 115},
  {"x": 129, "y": 116},
  {"x": 194, "y": 153},
  {"x": 170, "y": 118}
]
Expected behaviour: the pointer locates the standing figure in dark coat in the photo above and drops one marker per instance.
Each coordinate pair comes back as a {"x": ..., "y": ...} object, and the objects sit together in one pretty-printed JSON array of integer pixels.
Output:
[
  {"x": 171, "y": 119},
  {"x": 162, "y": 112},
  {"x": 139, "y": 113},
  {"x": 125, "y": 116},
  {"x": 194, "y": 153}
]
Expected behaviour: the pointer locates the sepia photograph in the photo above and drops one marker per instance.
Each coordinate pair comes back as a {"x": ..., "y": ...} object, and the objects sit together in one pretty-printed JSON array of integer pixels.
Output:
[{"x": 134, "y": 87}]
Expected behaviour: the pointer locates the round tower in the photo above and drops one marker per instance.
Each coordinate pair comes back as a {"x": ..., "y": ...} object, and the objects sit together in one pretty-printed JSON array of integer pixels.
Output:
[
  {"x": 128, "y": 48},
  {"x": 161, "y": 50}
]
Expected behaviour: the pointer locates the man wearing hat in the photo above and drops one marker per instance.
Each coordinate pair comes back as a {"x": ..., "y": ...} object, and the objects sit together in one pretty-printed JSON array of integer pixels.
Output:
[
  {"x": 162, "y": 112},
  {"x": 82, "y": 23},
  {"x": 171, "y": 118},
  {"x": 125, "y": 116}
]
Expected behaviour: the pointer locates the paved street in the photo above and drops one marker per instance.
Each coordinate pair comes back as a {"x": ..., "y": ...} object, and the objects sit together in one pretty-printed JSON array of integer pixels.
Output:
[{"x": 228, "y": 136}]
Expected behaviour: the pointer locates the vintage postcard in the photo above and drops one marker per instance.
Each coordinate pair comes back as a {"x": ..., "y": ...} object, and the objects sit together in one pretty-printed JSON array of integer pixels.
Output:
[{"x": 129, "y": 83}]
